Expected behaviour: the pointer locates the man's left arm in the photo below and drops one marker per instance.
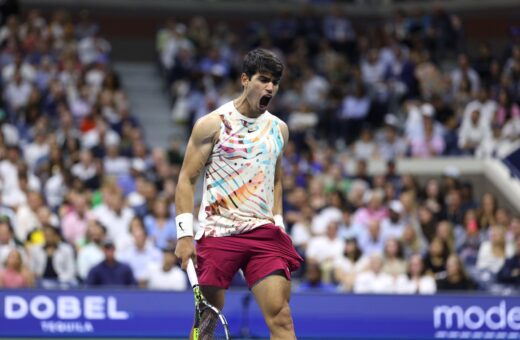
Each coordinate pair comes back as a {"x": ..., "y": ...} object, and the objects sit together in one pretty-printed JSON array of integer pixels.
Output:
[{"x": 278, "y": 175}]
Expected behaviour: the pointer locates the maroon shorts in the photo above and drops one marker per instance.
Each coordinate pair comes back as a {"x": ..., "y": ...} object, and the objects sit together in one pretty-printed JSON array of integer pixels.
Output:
[{"x": 258, "y": 253}]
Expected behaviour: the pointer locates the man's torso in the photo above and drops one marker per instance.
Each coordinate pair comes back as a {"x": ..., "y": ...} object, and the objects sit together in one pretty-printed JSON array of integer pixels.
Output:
[{"x": 239, "y": 179}]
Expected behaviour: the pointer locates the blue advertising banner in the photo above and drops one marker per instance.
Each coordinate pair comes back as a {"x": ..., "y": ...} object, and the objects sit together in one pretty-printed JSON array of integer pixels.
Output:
[
  {"x": 328, "y": 316},
  {"x": 145, "y": 314},
  {"x": 93, "y": 313}
]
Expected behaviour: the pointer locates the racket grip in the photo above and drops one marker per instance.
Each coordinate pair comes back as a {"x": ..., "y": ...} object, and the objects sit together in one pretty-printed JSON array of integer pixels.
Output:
[{"x": 192, "y": 274}]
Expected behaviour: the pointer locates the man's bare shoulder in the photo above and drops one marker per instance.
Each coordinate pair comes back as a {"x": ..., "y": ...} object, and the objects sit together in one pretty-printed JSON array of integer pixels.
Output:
[
  {"x": 207, "y": 126},
  {"x": 284, "y": 129}
]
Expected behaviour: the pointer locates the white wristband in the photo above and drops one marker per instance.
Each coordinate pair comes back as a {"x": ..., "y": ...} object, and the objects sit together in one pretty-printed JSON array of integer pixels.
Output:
[
  {"x": 278, "y": 221},
  {"x": 184, "y": 223}
]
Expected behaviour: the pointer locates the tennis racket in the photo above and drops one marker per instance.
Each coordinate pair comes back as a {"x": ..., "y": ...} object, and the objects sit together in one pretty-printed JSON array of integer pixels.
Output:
[{"x": 210, "y": 323}]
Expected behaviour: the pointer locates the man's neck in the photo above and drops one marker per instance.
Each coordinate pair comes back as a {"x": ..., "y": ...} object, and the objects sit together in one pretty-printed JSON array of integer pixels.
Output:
[{"x": 242, "y": 106}]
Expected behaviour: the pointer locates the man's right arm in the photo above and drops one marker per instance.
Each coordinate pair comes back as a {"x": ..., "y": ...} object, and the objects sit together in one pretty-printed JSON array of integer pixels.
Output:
[{"x": 199, "y": 148}]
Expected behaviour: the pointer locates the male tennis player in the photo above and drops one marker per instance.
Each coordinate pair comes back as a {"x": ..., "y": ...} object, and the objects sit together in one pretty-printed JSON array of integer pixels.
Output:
[{"x": 240, "y": 145}]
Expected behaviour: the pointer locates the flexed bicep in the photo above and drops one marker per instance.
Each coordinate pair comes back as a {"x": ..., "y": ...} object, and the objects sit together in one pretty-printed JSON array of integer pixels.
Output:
[{"x": 199, "y": 148}]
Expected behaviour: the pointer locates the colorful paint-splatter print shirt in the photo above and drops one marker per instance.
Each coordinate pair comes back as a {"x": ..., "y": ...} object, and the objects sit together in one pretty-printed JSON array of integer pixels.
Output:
[{"x": 239, "y": 179}]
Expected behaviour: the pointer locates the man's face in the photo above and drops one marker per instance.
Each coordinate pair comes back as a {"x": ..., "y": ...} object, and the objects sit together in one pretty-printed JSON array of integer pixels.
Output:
[
  {"x": 110, "y": 252},
  {"x": 260, "y": 89}
]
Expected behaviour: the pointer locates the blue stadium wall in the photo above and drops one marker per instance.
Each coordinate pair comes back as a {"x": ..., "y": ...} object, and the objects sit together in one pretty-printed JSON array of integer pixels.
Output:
[{"x": 149, "y": 314}]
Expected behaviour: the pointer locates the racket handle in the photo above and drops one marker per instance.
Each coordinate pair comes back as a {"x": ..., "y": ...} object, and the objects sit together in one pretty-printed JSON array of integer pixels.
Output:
[{"x": 192, "y": 274}]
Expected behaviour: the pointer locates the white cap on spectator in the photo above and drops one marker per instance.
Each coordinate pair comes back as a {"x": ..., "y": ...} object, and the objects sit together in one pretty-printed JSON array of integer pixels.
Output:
[
  {"x": 324, "y": 218},
  {"x": 396, "y": 206},
  {"x": 90, "y": 139},
  {"x": 112, "y": 139},
  {"x": 138, "y": 164},
  {"x": 391, "y": 119},
  {"x": 427, "y": 110}
]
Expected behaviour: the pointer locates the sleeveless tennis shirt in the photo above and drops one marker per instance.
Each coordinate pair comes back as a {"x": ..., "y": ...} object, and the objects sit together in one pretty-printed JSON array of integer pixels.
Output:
[{"x": 238, "y": 190}]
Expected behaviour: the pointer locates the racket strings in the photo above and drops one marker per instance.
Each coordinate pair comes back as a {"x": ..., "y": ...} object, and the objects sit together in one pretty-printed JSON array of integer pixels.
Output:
[{"x": 210, "y": 326}]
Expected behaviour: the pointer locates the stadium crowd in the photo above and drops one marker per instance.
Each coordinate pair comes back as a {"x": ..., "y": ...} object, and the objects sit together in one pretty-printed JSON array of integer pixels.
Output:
[{"x": 86, "y": 202}]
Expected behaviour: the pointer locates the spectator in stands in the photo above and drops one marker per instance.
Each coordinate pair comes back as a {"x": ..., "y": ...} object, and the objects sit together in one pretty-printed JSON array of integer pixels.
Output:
[
  {"x": 313, "y": 282},
  {"x": 91, "y": 253},
  {"x": 508, "y": 116},
  {"x": 370, "y": 239},
  {"x": 15, "y": 274},
  {"x": 355, "y": 196},
  {"x": 391, "y": 145},
  {"x": 503, "y": 217},
  {"x": 415, "y": 281},
  {"x": 433, "y": 199},
  {"x": 361, "y": 173},
  {"x": 374, "y": 209},
  {"x": 347, "y": 229},
  {"x": 465, "y": 71},
  {"x": 53, "y": 262},
  {"x": 493, "y": 252},
  {"x": 494, "y": 144},
  {"x": 140, "y": 254},
  {"x": 16, "y": 94},
  {"x": 86, "y": 169},
  {"x": 37, "y": 236},
  {"x": 435, "y": 259},
  {"x": 7, "y": 240},
  {"x": 374, "y": 280},
  {"x": 510, "y": 271},
  {"x": 365, "y": 147},
  {"x": 160, "y": 225},
  {"x": 486, "y": 211},
  {"x": 445, "y": 231},
  {"x": 301, "y": 229},
  {"x": 325, "y": 249},
  {"x": 473, "y": 132},
  {"x": 427, "y": 222},
  {"x": 346, "y": 266},
  {"x": 115, "y": 164},
  {"x": 507, "y": 109},
  {"x": 110, "y": 272},
  {"x": 453, "y": 211},
  {"x": 353, "y": 113},
  {"x": 470, "y": 247},
  {"x": 455, "y": 276},
  {"x": 408, "y": 199},
  {"x": 321, "y": 221},
  {"x": 428, "y": 75},
  {"x": 394, "y": 263},
  {"x": 429, "y": 143},
  {"x": 113, "y": 214},
  {"x": 412, "y": 241},
  {"x": 513, "y": 230},
  {"x": 485, "y": 105},
  {"x": 74, "y": 221},
  {"x": 168, "y": 275},
  {"x": 26, "y": 216},
  {"x": 37, "y": 151}
]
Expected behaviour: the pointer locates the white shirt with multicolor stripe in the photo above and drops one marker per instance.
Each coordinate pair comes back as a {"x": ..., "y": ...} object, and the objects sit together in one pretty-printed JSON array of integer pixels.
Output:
[{"x": 239, "y": 178}]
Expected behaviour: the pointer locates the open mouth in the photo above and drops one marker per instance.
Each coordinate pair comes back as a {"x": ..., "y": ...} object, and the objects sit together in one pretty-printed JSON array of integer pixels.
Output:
[{"x": 264, "y": 101}]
